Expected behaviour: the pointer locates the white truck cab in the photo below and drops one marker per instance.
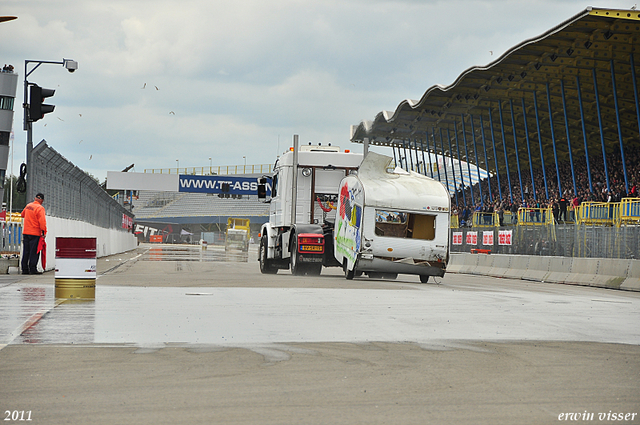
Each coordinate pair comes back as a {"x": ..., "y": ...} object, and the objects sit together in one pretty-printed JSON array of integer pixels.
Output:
[{"x": 304, "y": 193}]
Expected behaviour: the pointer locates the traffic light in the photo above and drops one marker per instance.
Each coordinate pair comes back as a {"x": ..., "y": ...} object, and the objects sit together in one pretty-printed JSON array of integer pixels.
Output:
[{"x": 36, "y": 108}]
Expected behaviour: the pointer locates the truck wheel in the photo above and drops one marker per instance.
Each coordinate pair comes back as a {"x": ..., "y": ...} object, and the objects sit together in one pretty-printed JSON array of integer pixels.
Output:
[
  {"x": 297, "y": 269},
  {"x": 424, "y": 278},
  {"x": 348, "y": 274},
  {"x": 265, "y": 265}
]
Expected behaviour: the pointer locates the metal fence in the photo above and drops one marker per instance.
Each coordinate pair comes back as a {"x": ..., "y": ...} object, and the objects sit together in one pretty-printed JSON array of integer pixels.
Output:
[
  {"x": 215, "y": 170},
  {"x": 11, "y": 237},
  {"x": 569, "y": 240},
  {"x": 72, "y": 194}
]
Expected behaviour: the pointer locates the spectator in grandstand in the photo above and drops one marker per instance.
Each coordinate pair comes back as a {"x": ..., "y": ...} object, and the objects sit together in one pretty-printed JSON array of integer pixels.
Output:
[
  {"x": 562, "y": 204},
  {"x": 514, "y": 212},
  {"x": 555, "y": 209}
]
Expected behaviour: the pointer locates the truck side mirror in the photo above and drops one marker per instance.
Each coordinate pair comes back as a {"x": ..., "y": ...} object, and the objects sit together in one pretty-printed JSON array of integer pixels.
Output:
[{"x": 262, "y": 191}]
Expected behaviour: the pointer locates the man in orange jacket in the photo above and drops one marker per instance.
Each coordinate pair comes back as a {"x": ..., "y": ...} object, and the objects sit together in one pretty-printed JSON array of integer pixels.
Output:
[{"x": 34, "y": 226}]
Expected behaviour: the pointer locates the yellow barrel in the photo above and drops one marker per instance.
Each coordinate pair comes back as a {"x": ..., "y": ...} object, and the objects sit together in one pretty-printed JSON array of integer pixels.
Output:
[
  {"x": 76, "y": 288},
  {"x": 76, "y": 267}
]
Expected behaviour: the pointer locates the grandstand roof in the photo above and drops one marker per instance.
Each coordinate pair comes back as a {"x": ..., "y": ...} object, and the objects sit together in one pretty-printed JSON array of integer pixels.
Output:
[{"x": 589, "y": 57}]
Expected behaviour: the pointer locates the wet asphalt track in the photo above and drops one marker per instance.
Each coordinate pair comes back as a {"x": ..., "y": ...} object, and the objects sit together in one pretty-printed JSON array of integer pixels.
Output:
[{"x": 498, "y": 349}]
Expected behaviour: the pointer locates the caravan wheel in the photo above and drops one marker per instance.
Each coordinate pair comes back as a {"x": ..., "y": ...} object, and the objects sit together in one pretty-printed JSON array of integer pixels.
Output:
[{"x": 348, "y": 274}]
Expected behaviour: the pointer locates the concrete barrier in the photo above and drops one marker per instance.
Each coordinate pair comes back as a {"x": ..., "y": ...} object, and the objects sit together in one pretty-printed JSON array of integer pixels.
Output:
[
  {"x": 470, "y": 264},
  {"x": 485, "y": 264},
  {"x": 559, "y": 269},
  {"x": 611, "y": 273},
  {"x": 537, "y": 269},
  {"x": 455, "y": 264},
  {"x": 584, "y": 270},
  {"x": 632, "y": 282},
  {"x": 598, "y": 272},
  {"x": 517, "y": 267},
  {"x": 501, "y": 265},
  {"x": 6, "y": 263}
]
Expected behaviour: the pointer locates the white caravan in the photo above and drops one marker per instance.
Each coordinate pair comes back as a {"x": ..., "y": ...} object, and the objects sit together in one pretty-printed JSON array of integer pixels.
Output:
[{"x": 391, "y": 222}]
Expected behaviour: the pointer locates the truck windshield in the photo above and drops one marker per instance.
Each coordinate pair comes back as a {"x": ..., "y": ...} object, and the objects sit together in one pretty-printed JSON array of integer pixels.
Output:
[{"x": 399, "y": 224}]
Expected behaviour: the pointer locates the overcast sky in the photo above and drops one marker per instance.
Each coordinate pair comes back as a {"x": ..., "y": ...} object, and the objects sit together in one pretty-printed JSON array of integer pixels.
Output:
[{"x": 160, "y": 81}]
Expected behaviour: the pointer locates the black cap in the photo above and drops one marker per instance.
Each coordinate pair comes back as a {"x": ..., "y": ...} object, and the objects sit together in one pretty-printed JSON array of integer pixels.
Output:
[{"x": 40, "y": 196}]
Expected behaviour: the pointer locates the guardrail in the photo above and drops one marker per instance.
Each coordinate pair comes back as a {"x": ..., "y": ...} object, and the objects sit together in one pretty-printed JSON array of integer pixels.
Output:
[
  {"x": 629, "y": 211},
  {"x": 11, "y": 237},
  {"x": 598, "y": 213},
  {"x": 485, "y": 219},
  {"x": 455, "y": 221},
  {"x": 535, "y": 216},
  {"x": 626, "y": 212}
]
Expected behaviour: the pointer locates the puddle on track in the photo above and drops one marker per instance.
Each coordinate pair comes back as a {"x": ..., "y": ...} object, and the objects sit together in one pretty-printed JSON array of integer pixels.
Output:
[
  {"x": 236, "y": 316},
  {"x": 193, "y": 253}
]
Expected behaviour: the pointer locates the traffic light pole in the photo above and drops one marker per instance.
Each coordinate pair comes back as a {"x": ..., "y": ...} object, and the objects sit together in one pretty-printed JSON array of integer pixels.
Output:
[{"x": 27, "y": 124}]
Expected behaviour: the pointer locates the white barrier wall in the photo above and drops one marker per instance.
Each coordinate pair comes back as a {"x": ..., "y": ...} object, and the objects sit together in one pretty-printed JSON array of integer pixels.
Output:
[
  {"x": 600, "y": 272},
  {"x": 109, "y": 241}
]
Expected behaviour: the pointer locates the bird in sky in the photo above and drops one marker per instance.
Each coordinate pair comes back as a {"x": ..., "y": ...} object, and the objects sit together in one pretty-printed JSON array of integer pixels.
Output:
[
  {"x": 171, "y": 113},
  {"x": 145, "y": 85}
]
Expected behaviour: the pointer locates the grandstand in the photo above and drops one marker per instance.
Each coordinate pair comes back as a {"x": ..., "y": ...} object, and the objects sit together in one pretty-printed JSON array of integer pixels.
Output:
[
  {"x": 554, "y": 124},
  {"x": 193, "y": 214},
  {"x": 556, "y": 116}
]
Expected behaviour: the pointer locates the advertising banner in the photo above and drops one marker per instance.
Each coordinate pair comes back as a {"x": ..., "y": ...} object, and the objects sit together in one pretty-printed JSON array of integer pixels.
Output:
[
  {"x": 472, "y": 238},
  {"x": 220, "y": 184},
  {"x": 504, "y": 237}
]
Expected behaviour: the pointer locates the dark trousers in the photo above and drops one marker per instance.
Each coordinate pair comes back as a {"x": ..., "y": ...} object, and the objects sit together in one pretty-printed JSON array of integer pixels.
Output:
[{"x": 30, "y": 254}]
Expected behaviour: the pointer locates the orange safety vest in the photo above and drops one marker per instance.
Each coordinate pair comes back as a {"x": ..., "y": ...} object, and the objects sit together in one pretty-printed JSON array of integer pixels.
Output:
[{"x": 34, "y": 222}]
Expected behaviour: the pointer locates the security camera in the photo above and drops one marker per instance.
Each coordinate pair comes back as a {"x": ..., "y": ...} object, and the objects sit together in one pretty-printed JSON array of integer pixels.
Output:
[{"x": 71, "y": 65}]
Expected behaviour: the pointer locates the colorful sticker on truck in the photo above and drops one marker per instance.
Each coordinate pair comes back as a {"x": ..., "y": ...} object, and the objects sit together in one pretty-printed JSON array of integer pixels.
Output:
[{"x": 348, "y": 235}]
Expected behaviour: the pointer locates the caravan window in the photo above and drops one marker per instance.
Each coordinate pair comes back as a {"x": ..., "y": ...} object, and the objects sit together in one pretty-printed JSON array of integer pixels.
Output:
[{"x": 398, "y": 224}]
